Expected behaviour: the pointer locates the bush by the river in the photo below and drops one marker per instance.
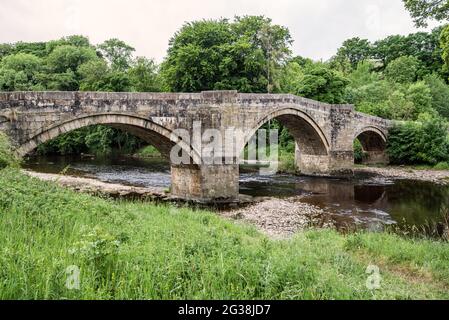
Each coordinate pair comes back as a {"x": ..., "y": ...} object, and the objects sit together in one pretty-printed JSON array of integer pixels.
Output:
[
  {"x": 7, "y": 156},
  {"x": 419, "y": 142}
]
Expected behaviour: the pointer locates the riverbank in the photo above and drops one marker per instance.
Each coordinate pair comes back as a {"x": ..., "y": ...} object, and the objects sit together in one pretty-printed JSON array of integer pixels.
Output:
[
  {"x": 97, "y": 187},
  {"x": 440, "y": 177},
  {"x": 276, "y": 218},
  {"x": 345, "y": 205},
  {"x": 137, "y": 250}
]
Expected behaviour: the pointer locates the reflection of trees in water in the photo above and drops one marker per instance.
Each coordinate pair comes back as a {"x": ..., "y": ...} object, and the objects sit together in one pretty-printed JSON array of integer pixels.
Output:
[
  {"x": 370, "y": 194},
  {"x": 417, "y": 202}
]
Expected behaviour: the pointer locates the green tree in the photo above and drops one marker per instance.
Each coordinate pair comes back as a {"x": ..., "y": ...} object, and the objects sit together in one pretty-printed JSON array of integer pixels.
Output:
[
  {"x": 97, "y": 76},
  {"x": 75, "y": 40},
  {"x": 390, "y": 48},
  {"x": 402, "y": 70},
  {"x": 93, "y": 75},
  {"x": 68, "y": 57},
  {"x": 144, "y": 76},
  {"x": 424, "y": 10},
  {"x": 444, "y": 43},
  {"x": 424, "y": 46},
  {"x": 19, "y": 72},
  {"x": 319, "y": 82},
  {"x": 291, "y": 77},
  {"x": 63, "y": 63},
  {"x": 354, "y": 50},
  {"x": 34, "y": 48},
  {"x": 420, "y": 95},
  {"x": 218, "y": 54},
  {"x": 440, "y": 94},
  {"x": 363, "y": 74},
  {"x": 5, "y": 50},
  {"x": 273, "y": 40},
  {"x": 117, "y": 53}
]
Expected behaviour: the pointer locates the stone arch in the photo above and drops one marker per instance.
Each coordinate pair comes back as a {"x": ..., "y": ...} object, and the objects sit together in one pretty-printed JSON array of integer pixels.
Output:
[
  {"x": 374, "y": 145},
  {"x": 160, "y": 137},
  {"x": 302, "y": 127},
  {"x": 312, "y": 146}
]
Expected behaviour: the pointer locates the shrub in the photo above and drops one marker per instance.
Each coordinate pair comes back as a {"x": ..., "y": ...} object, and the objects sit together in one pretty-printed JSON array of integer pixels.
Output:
[
  {"x": 423, "y": 142},
  {"x": 7, "y": 157},
  {"x": 442, "y": 166},
  {"x": 358, "y": 151}
]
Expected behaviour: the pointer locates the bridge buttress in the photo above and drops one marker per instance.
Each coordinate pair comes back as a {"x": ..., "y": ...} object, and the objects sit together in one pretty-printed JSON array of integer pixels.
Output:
[{"x": 205, "y": 182}]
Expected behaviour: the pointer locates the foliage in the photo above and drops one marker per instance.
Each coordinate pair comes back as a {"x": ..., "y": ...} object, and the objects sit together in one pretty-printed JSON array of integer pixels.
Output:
[
  {"x": 424, "y": 46},
  {"x": 117, "y": 53},
  {"x": 440, "y": 94},
  {"x": 351, "y": 53},
  {"x": 242, "y": 55},
  {"x": 68, "y": 57},
  {"x": 148, "y": 152},
  {"x": 144, "y": 76},
  {"x": 315, "y": 81},
  {"x": 358, "y": 151},
  {"x": 99, "y": 140},
  {"x": 402, "y": 70},
  {"x": 423, "y": 142},
  {"x": 72, "y": 63},
  {"x": 441, "y": 166},
  {"x": 444, "y": 43},
  {"x": 423, "y": 10},
  {"x": 7, "y": 156},
  {"x": 20, "y": 72}
]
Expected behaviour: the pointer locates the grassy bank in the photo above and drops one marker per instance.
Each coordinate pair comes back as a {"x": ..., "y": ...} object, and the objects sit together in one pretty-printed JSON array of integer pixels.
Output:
[{"x": 142, "y": 251}]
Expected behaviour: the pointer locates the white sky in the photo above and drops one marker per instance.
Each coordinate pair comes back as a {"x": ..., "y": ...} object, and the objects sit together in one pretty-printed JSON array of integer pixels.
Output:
[{"x": 318, "y": 27}]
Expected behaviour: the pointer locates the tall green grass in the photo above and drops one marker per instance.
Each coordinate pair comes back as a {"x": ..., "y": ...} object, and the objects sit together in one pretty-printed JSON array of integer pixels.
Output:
[{"x": 142, "y": 251}]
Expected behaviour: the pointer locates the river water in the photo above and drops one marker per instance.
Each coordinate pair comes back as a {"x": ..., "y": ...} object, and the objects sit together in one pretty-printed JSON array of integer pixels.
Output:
[{"x": 367, "y": 201}]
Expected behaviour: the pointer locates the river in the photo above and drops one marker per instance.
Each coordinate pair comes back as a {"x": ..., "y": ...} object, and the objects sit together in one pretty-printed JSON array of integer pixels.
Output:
[{"x": 367, "y": 200}]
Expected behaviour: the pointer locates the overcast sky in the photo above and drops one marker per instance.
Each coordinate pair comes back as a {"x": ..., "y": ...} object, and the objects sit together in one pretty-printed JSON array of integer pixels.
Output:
[{"x": 317, "y": 26}]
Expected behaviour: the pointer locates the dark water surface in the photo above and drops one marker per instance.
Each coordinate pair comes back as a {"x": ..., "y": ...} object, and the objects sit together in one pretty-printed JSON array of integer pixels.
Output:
[{"x": 368, "y": 201}]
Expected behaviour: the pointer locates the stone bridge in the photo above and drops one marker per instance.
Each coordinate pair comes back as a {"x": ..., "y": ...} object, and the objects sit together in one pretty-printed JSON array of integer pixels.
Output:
[{"x": 324, "y": 133}]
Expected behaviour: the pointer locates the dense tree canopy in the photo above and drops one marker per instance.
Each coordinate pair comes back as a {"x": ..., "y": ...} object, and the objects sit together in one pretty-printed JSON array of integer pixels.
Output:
[
  {"x": 353, "y": 51},
  {"x": 402, "y": 70},
  {"x": 244, "y": 55},
  {"x": 117, "y": 53}
]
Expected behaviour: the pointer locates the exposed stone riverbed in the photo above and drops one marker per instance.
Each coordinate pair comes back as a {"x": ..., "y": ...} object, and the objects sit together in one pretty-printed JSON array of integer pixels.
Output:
[{"x": 434, "y": 176}]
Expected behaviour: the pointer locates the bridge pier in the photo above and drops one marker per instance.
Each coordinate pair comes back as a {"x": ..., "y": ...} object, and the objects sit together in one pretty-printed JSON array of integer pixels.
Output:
[
  {"x": 375, "y": 157},
  {"x": 205, "y": 182},
  {"x": 336, "y": 164}
]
